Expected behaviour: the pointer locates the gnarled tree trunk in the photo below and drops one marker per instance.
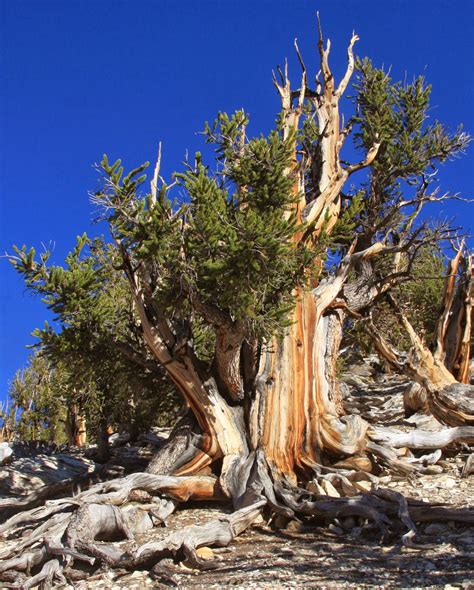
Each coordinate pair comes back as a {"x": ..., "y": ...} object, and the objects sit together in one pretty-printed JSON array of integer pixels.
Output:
[
  {"x": 281, "y": 401},
  {"x": 442, "y": 375}
]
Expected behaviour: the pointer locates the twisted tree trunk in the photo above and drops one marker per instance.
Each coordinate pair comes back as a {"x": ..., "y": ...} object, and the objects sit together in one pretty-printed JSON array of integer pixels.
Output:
[{"x": 443, "y": 376}]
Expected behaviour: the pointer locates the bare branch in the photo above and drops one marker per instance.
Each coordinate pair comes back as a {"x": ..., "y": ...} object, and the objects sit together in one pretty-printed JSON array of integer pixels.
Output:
[
  {"x": 277, "y": 85},
  {"x": 367, "y": 161},
  {"x": 324, "y": 53},
  {"x": 448, "y": 299},
  {"x": 298, "y": 53},
  {"x": 350, "y": 67},
  {"x": 303, "y": 77},
  {"x": 154, "y": 182}
]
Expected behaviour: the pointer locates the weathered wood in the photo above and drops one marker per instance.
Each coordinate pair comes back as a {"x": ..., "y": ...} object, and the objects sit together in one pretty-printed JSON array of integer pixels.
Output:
[
  {"x": 422, "y": 439},
  {"x": 25, "y": 562},
  {"x": 415, "y": 399},
  {"x": 453, "y": 404},
  {"x": 468, "y": 468},
  {"x": 450, "y": 402},
  {"x": 183, "y": 444},
  {"x": 390, "y": 458},
  {"x": 403, "y": 513},
  {"x": 32, "y": 516},
  {"x": 453, "y": 337},
  {"x": 219, "y": 532},
  {"x": 182, "y": 488},
  {"x": 96, "y": 521},
  {"x": 50, "y": 571}
]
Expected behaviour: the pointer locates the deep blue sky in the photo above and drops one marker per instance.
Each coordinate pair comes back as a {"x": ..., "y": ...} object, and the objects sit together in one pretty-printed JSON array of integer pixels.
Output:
[{"x": 80, "y": 78}]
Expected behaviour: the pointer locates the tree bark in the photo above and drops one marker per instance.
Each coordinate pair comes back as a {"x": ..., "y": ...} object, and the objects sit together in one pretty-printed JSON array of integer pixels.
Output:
[{"x": 75, "y": 426}]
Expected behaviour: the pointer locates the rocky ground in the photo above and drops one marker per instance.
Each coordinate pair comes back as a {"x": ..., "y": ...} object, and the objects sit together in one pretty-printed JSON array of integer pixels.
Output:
[
  {"x": 347, "y": 553},
  {"x": 313, "y": 557}
]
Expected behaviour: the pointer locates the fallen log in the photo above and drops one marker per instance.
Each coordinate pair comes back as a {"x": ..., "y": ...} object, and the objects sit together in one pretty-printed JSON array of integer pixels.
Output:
[{"x": 422, "y": 439}]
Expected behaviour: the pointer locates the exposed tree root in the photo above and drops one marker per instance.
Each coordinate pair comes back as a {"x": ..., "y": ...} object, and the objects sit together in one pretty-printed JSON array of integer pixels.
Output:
[
  {"x": 43, "y": 543},
  {"x": 454, "y": 405},
  {"x": 218, "y": 532},
  {"x": 82, "y": 528}
]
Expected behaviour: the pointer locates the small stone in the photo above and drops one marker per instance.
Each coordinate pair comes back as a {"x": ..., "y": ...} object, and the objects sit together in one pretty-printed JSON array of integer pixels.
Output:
[
  {"x": 434, "y": 470},
  {"x": 335, "y": 529},
  {"x": 315, "y": 488},
  {"x": 205, "y": 553},
  {"x": 363, "y": 486},
  {"x": 329, "y": 489},
  {"x": 448, "y": 484},
  {"x": 295, "y": 527}
]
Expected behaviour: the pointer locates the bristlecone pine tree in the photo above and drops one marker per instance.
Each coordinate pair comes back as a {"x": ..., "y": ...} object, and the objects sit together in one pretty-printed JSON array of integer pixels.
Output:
[
  {"x": 103, "y": 375},
  {"x": 244, "y": 265}
]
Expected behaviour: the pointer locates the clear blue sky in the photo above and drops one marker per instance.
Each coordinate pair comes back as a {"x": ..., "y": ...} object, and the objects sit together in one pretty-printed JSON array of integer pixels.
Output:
[{"x": 83, "y": 77}]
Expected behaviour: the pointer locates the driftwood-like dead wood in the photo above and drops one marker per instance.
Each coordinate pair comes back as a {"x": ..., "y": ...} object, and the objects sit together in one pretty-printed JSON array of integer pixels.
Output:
[
  {"x": 453, "y": 337},
  {"x": 183, "y": 444},
  {"x": 116, "y": 492},
  {"x": 468, "y": 468},
  {"x": 415, "y": 399},
  {"x": 218, "y": 532},
  {"x": 50, "y": 571},
  {"x": 54, "y": 527},
  {"x": 450, "y": 402},
  {"x": 25, "y": 562},
  {"x": 182, "y": 488},
  {"x": 380, "y": 506},
  {"x": 34, "y": 515},
  {"x": 389, "y": 457},
  {"x": 422, "y": 439},
  {"x": 403, "y": 512},
  {"x": 94, "y": 521},
  {"x": 9, "y": 506},
  {"x": 454, "y": 404}
]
